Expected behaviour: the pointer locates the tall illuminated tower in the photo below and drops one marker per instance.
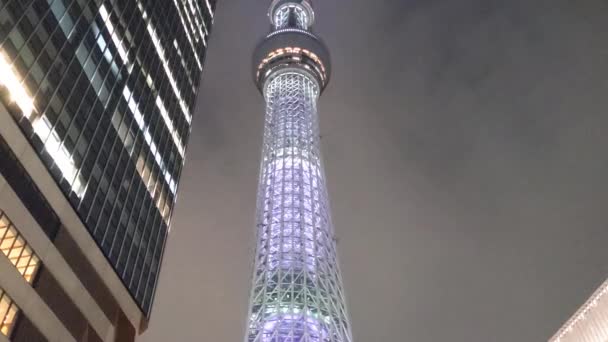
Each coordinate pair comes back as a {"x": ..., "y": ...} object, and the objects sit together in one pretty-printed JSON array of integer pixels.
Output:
[{"x": 297, "y": 291}]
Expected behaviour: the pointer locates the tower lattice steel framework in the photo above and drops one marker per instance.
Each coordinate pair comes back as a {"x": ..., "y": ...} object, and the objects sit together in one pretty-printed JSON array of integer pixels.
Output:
[{"x": 297, "y": 293}]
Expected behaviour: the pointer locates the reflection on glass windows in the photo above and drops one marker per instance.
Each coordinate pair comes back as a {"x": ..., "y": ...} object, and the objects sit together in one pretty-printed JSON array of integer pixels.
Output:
[
  {"x": 8, "y": 314},
  {"x": 12, "y": 83},
  {"x": 16, "y": 249},
  {"x": 60, "y": 153}
]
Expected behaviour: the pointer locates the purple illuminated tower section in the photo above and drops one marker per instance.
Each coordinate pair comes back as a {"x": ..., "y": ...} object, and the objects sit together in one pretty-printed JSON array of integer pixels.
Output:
[{"x": 296, "y": 293}]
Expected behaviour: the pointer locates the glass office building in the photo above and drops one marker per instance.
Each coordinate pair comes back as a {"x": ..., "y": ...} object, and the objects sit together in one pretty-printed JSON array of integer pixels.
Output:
[{"x": 100, "y": 93}]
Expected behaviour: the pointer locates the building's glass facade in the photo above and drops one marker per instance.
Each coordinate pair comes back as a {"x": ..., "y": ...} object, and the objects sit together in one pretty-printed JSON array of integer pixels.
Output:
[{"x": 105, "y": 91}]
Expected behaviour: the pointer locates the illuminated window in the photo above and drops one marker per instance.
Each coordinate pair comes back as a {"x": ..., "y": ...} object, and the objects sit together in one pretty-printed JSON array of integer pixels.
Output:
[
  {"x": 161, "y": 54},
  {"x": 8, "y": 313},
  {"x": 16, "y": 249},
  {"x": 13, "y": 84}
]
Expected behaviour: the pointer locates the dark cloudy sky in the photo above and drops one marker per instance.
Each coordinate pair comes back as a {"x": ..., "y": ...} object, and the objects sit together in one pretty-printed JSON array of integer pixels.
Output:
[{"x": 465, "y": 145}]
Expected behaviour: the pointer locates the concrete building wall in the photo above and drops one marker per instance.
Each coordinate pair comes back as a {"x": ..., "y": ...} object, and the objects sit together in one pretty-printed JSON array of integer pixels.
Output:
[{"x": 76, "y": 295}]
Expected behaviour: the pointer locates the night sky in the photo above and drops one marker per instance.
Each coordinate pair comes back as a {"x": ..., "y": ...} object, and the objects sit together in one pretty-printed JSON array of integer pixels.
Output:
[{"x": 465, "y": 149}]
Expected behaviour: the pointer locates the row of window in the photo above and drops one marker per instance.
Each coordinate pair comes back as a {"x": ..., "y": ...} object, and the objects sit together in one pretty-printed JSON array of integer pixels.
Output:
[
  {"x": 16, "y": 249},
  {"x": 17, "y": 177},
  {"x": 21, "y": 255},
  {"x": 8, "y": 314}
]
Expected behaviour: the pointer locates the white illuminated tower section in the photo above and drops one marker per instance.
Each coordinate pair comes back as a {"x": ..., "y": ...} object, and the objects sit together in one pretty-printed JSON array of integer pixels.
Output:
[{"x": 297, "y": 293}]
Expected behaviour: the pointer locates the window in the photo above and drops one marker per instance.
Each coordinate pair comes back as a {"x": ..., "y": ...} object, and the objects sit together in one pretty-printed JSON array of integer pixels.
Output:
[
  {"x": 8, "y": 314},
  {"x": 16, "y": 249}
]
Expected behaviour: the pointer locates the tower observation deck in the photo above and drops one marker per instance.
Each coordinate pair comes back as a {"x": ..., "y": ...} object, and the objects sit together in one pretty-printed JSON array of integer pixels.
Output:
[{"x": 297, "y": 293}]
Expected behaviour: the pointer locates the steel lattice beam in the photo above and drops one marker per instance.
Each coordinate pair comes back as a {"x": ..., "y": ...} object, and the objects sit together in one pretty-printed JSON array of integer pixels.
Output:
[{"x": 297, "y": 293}]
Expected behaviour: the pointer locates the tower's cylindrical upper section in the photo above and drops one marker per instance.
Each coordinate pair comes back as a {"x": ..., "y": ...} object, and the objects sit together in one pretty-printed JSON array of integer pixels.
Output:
[
  {"x": 291, "y": 44},
  {"x": 291, "y": 13}
]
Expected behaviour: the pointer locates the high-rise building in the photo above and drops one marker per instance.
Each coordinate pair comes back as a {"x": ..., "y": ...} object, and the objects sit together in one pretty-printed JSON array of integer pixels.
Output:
[
  {"x": 96, "y": 104},
  {"x": 296, "y": 293},
  {"x": 590, "y": 322}
]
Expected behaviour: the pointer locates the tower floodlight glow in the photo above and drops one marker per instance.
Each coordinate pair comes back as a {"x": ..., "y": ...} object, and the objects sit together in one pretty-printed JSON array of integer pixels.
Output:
[{"x": 297, "y": 293}]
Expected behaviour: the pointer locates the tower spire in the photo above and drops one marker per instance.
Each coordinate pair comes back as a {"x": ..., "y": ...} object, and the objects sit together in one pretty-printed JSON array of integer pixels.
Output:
[{"x": 297, "y": 293}]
